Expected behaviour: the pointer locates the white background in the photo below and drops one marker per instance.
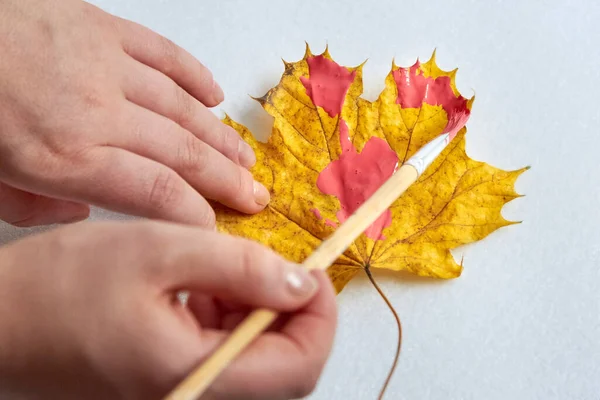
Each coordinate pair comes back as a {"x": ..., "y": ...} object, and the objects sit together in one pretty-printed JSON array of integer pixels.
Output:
[{"x": 523, "y": 322}]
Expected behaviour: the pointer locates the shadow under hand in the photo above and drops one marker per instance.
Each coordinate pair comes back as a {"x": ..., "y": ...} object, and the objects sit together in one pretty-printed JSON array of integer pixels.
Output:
[{"x": 9, "y": 233}]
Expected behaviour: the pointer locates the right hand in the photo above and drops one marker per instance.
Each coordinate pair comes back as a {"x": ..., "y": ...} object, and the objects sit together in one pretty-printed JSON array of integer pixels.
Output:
[
  {"x": 89, "y": 311},
  {"x": 98, "y": 110}
]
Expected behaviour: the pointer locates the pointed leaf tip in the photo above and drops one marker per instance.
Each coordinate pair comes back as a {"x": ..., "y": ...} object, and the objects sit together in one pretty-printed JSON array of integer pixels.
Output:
[
  {"x": 307, "y": 52},
  {"x": 470, "y": 102},
  {"x": 262, "y": 99},
  {"x": 326, "y": 51},
  {"x": 359, "y": 66},
  {"x": 433, "y": 54}
]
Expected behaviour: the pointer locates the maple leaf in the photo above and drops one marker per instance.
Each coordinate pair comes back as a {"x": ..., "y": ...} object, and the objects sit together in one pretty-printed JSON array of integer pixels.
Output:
[{"x": 330, "y": 150}]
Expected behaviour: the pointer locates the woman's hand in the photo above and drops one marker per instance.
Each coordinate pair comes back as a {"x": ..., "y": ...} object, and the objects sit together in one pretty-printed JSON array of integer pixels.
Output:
[
  {"x": 89, "y": 311},
  {"x": 97, "y": 110}
]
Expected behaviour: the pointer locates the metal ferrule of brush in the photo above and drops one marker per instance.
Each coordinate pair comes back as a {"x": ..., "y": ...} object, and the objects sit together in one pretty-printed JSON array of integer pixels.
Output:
[{"x": 428, "y": 153}]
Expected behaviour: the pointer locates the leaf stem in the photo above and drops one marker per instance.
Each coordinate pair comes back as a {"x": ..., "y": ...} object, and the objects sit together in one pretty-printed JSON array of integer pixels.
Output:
[{"x": 398, "y": 323}]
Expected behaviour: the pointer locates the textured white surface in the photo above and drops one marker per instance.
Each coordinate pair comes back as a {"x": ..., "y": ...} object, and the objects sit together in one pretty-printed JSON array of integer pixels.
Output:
[{"x": 523, "y": 322}]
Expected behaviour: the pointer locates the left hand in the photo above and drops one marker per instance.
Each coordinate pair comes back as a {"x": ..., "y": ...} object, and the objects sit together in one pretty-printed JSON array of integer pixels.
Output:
[{"x": 97, "y": 110}]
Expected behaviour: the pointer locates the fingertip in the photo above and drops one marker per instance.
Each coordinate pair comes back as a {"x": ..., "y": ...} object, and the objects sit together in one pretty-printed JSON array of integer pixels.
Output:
[
  {"x": 241, "y": 192},
  {"x": 300, "y": 283},
  {"x": 161, "y": 54},
  {"x": 217, "y": 93},
  {"x": 210, "y": 94},
  {"x": 285, "y": 286},
  {"x": 262, "y": 197},
  {"x": 75, "y": 212},
  {"x": 246, "y": 155}
]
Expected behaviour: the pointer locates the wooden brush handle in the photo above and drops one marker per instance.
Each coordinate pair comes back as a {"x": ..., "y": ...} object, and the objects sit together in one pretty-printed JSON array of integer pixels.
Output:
[{"x": 322, "y": 258}]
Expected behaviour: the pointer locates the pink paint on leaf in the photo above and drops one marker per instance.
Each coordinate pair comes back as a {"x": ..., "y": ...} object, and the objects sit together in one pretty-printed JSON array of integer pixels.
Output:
[
  {"x": 414, "y": 89},
  {"x": 354, "y": 177},
  {"x": 327, "y": 84},
  {"x": 318, "y": 216},
  {"x": 317, "y": 213},
  {"x": 330, "y": 223}
]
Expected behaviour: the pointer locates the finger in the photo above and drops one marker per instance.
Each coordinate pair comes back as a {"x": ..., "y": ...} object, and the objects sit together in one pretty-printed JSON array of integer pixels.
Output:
[
  {"x": 229, "y": 314},
  {"x": 205, "y": 309},
  {"x": 24, "y": 209},
  {"x": 313, "y": 329},
  {"x": 160, "y": 53},
  {"x": 153, "y": 90},
  {"x": 213, "y": 313},
  {"x": 228, "y": 268},
  {"x": 208, "y": 171},
  {"x": 291, "y": 361},
  {"x": 127, "y": 183}
]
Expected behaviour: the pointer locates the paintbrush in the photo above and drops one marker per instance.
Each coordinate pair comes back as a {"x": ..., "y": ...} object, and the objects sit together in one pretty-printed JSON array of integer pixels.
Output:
[{"x": 322, "y": 258}]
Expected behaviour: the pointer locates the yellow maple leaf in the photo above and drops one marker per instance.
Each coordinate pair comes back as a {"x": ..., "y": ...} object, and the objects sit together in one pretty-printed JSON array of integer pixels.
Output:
[{"x": 323, "y": 129}]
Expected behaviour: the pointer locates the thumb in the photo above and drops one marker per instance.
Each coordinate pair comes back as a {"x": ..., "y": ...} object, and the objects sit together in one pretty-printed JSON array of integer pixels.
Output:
[
  {"x": 24, "y": 209},
  {"x": 237, "y": 270}
]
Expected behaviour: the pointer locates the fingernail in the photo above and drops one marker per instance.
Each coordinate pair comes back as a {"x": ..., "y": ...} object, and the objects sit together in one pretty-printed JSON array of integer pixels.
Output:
[
  {"x": 261, "y": 194},
  {"x": 218, "y": 94},
  {"x": 246, "y": 154},
  {"x": 300, "y": 282}
]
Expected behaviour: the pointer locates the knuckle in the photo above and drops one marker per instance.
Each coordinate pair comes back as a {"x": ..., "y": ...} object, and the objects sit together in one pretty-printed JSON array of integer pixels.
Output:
[
  {"x": 45, "y": 164},
  {"x": 205, "y": 76},
  {"x": 184, "y": 107},
  {"x": 93, "y": 97},
  {"x": 47, "y": 160},
  {"x": 171, "y": 60},
  {"x": 251, "y": 258},
  {"x": 192, "y": 154},
  {"x": 243, "y": 183},
  {"x": 208, "y": 218},
  {"x": 166, "y": 190},
  {"x": 230, "y": 142},
  {"x": 90, "y": 95},
  {"x": 75, "y": 152},
  {"x": 236, "y": 186},
  {"x": 137, "y": 130}
]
